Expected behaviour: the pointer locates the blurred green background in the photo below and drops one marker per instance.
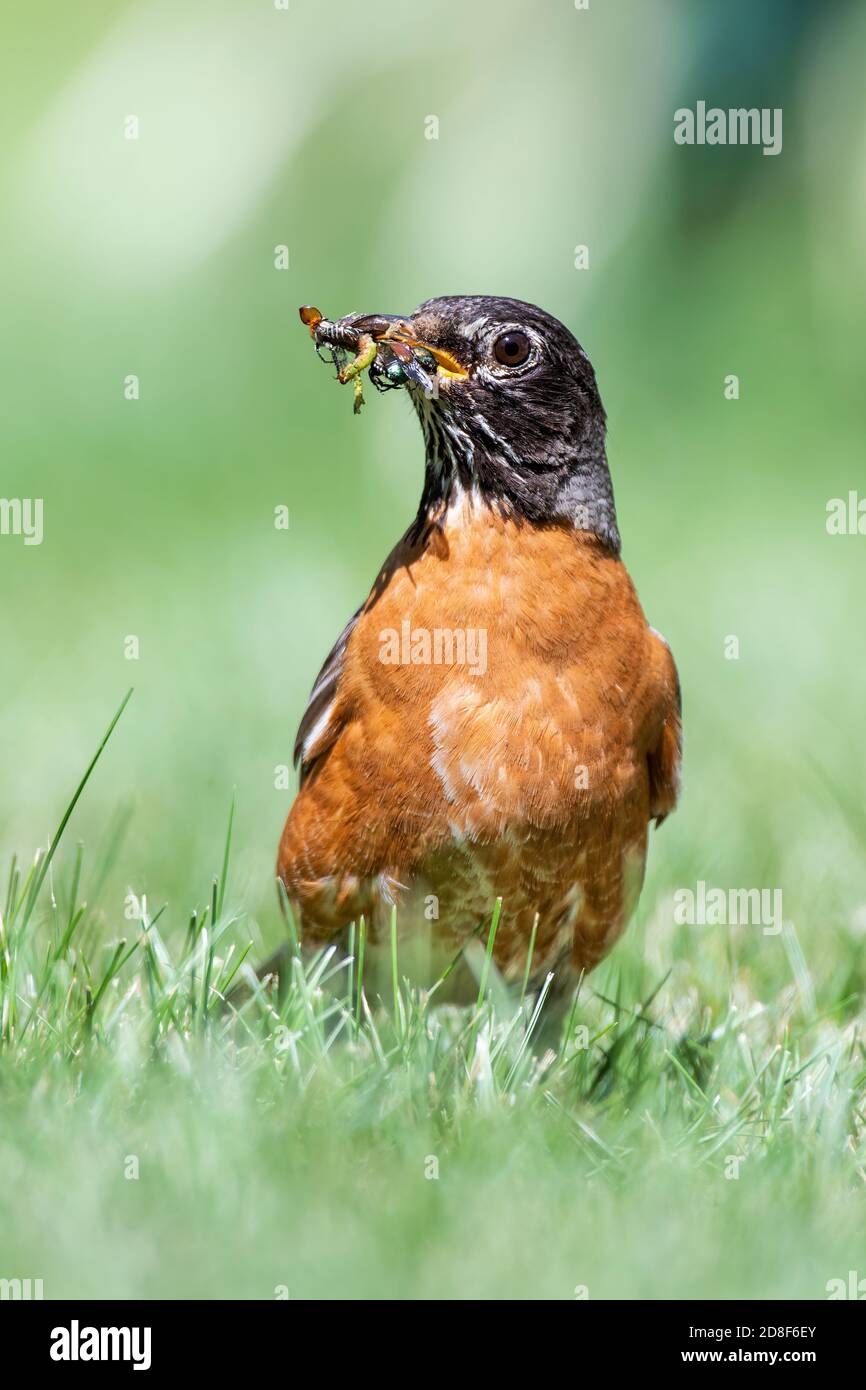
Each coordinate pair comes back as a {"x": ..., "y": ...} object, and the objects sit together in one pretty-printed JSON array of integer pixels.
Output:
[
  {"x": 259, "y": 128},
  {"x": 306, "y": 128}
]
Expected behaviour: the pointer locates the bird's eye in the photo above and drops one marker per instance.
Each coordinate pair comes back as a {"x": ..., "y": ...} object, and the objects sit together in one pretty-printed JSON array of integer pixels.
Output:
[{"x": 511, "y": 349}]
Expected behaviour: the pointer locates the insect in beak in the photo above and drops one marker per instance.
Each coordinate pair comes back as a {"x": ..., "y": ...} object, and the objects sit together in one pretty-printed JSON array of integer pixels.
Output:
[
  {"x": 448, "y": 365},
  {"x": 384, "y": 345}
]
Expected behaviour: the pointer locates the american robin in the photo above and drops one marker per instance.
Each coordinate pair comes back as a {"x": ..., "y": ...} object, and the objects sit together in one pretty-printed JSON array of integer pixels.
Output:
[{"x": 497, "y": 719}]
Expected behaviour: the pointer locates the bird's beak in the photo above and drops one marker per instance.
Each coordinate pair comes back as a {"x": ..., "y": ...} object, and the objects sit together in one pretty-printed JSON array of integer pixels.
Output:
[
  {"x": 447, "y": 365},
  {"x": 377, "y": 325},
  {"x": 397, "y": 328}
]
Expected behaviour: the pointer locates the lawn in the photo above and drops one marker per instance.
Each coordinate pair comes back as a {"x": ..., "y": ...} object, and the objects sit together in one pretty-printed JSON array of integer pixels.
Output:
[{"x": 172, "y": 1128}]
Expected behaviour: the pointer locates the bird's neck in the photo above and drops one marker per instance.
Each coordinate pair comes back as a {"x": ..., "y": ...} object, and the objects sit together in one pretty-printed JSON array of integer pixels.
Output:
[{"x": 566, "y": 483}]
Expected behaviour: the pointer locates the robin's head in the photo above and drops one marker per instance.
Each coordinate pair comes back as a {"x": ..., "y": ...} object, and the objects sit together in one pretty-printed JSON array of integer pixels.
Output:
[{"x": 509, "y": 407}]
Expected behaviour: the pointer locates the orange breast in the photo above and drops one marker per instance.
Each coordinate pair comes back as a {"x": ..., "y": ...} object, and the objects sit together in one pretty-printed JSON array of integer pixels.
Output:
[{"x": 499, "y": 708}]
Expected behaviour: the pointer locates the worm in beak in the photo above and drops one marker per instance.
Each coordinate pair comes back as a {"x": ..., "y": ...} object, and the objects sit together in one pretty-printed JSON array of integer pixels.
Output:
[{"x": 384, "y": 344}]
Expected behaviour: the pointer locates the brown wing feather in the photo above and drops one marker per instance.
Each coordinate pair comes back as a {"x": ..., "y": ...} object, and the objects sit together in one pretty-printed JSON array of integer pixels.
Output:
[
  {"x": 665, "y": 758},
  {"x": 322, "y": 696}
]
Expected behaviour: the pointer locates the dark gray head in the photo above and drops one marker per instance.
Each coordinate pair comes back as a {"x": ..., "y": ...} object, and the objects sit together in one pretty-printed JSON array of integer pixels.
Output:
[{"x": 510, "y": 410}]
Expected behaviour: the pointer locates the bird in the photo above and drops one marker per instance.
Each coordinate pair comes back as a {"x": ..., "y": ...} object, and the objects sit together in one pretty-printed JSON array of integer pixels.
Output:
[{"x": 498, "y": 725}]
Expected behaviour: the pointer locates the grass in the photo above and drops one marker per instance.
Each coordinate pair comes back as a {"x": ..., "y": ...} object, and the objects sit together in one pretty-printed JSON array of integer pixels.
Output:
[{"x": 164, "y": 1135}]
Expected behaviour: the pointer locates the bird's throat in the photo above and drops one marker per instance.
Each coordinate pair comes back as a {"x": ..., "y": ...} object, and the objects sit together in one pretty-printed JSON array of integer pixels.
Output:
[{"x": 469, "y": 465}]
